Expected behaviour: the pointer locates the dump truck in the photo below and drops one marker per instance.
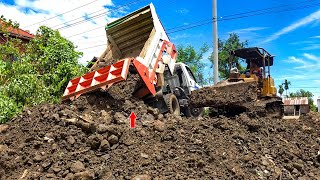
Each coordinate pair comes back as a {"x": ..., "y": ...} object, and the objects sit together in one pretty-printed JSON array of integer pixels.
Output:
[{"x": 138, "y": 46}]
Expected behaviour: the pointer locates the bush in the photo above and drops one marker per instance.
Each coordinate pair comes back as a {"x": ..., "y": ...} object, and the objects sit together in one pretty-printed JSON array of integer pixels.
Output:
[{"x": 37, "y": 75}]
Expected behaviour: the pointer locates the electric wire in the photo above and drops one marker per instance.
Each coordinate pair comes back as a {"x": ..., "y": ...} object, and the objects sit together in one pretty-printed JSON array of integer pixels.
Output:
[
  {"x": 209, "y": 21},
  {"x": 60, "y": 14},
  {"x": 205, "y": 21},
  {"x": 231, "y": 17},
  {"x": 92, "y": 47},
  {"x": 96, "y": 16}
]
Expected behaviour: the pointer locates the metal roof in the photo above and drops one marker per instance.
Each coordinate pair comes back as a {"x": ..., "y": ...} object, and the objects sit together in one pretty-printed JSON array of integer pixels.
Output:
[
  {"x": 254, "y": 54},
  {"x": 18, "y": 32},
  {"x": 295, "y": 101}
]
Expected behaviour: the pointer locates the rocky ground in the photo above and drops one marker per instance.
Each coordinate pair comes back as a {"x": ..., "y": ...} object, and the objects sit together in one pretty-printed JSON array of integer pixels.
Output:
[{"x": 90, "y": 138}]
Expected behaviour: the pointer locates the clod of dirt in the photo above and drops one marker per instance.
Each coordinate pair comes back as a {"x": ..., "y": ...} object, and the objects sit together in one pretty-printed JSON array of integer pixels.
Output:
[
  {"x": 77, "y": 167},
  {"x": 104, "y": 146},
  {"x": 120, "y": 118},
  {"x": 37, "y": 158},
  {"x": 142, "y": 177},
  {"x": 113, "y": 139},
  {"x": 3, "y": 128},
  {"x": 159, "y": 125}
]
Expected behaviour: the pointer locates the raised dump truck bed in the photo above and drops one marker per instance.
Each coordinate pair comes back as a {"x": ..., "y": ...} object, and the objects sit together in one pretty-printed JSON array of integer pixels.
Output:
[
  {"x": 136, "y": 41},
  {"x": 138, "y": 34}
]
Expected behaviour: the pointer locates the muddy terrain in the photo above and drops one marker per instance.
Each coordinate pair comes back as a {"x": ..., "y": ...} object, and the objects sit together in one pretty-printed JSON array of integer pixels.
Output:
[{"x": 90, "y": 138}]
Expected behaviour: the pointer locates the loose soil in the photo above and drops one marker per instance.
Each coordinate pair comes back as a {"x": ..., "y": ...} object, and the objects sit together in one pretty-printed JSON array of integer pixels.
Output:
[
  {"x": 232, "y": 95},
  {"x": 90, "y": 138}
]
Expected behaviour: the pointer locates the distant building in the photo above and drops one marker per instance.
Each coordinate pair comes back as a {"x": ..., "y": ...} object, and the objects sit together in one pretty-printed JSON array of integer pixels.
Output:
[
  {"x": 296, "y": 106},
  {"x": 11, "y": 32},
  {"x": 25, "y": 36}
]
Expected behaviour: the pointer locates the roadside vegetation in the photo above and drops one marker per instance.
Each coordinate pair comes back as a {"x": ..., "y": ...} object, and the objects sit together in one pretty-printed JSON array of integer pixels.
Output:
[{"x": 36, "y": 72}]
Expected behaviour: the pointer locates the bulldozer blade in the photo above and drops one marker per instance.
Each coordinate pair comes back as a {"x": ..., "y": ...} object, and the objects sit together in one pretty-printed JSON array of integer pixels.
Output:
[{"x": 232, "y": 95}]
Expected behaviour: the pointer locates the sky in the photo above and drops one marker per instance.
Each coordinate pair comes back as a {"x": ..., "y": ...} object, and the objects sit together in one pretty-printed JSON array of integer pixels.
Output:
[{"x": 287, "y": 29}]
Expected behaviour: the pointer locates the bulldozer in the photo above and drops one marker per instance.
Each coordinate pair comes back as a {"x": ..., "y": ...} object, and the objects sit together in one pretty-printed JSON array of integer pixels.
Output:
[
  {"x": 250, "y": 90},
  {"x": 139, "y": 62}
]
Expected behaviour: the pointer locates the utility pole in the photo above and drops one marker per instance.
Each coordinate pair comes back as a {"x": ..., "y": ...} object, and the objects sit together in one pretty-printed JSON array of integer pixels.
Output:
[{"x": 215, "y": 42}]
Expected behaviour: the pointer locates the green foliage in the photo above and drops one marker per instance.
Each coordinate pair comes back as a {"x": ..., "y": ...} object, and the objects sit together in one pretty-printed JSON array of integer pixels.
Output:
[
  {"x": 281, "y": 90},
  {"x": 193, "y": 59},
  {"x": 8, "y": 108},
  {"x": 36, "y": 73},
  {"x": 225, "y": 47},
  {"x": 304, "y": 93},
  {"x": 286, "y": 84}
]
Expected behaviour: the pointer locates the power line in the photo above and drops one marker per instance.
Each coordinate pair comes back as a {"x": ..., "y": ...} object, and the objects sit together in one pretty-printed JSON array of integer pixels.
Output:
[
  {"x": 209, "y": 21},
  {"x": 81, "y": 39},
  {"x": 191, "y": 27},
  {"x": 86, "y": 31},
  {"x": 63, "y": 24},
  {"x": 284, "y": 10},
  {"x": 205, "y": 21},
  {"x": 79, "y": 18},
  {"x": 304, "y": 87},
  {"x": 265, "y": 9},
  {"x": 61, "y": 14},
  {"x": 96, "y": 16},
  {"x": 100, "y": 26},
  {"x": 92, "y": 47},
  {"x": 197, "y": 22}
]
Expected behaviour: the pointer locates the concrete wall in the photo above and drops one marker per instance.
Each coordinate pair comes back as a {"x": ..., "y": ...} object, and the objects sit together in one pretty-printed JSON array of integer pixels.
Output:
[{"x": 289, "y": 110}]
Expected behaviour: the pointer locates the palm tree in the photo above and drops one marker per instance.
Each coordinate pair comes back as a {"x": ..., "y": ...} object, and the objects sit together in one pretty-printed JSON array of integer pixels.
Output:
[
  {"x": 286, "y": 86},
  {"x": 281, "y": 90}
]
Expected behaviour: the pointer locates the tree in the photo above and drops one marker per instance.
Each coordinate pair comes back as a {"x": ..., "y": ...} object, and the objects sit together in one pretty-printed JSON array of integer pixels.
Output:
[
  {"x": 286, "y": 86},
  {"x": 225, "y": 47},
  {"x": 39, "y": 74},
  {"x": 281, "y": 90},
  {"x": 304, "y": 93},
  {"x": 194, "y": 59}
]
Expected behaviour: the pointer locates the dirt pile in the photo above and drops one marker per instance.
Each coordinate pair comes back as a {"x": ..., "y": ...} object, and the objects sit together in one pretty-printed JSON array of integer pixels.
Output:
[
  {"x": 91, "y": 139},
  {"x": 231, "y": 95}
]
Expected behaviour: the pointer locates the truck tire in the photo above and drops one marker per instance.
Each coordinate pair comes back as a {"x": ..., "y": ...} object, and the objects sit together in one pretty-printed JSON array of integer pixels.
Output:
[
  {"x": 193, "y": 112},
  {"x": 172, "y": 104}
]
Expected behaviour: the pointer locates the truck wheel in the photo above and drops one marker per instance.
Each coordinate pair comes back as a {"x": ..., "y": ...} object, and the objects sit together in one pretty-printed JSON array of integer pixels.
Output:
[
  {"x": 172, "y": 104},
  {"x": 193, "y": 112}
]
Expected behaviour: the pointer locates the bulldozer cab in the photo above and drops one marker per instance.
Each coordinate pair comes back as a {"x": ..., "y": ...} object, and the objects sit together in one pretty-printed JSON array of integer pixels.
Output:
[
  {"x": 256, "y": 59},
  {"x": 258, "y": 62}
]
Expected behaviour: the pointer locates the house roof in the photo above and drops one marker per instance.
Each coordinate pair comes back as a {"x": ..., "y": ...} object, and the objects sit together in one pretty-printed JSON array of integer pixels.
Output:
[
  {"x": 295, "y": 101},
  {"x": 19, "y": 32}
]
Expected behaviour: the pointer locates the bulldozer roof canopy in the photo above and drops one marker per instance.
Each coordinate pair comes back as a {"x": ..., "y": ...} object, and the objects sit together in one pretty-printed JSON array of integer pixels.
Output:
[{"x": 254, "y": 54}]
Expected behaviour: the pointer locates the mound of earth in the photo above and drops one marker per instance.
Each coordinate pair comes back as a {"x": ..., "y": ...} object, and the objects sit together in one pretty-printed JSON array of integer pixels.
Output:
[
  {"x": 225, "y": 95},
  {"x": 90, "y": 138}
]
